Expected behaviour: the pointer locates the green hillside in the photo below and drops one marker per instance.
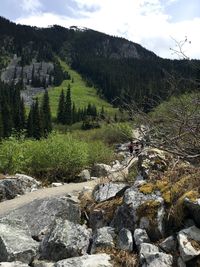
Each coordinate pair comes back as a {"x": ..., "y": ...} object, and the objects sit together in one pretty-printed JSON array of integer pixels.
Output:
[{"x": 81, "y": 94}]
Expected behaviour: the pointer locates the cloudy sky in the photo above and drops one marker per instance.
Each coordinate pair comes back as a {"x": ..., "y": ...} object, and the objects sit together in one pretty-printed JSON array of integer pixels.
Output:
[{"x": 151, "y": 23}]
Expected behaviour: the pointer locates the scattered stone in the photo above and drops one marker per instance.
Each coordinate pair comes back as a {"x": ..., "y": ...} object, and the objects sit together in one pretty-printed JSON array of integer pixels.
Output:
[
  {"x": 40, "y": 213},
  {"x": 103, "y": 238},
  {"x": 20, "y": 184},
  {"x": 105, "y": 191},
  {"x": 189, "y": 243},
  {"x": 84, "y": 176},
  {"x": 151, "y": 257},
  {"x": 101, "y": 170},
  {"x": 125, "y": 240},
  {"x": 140, "y": 236},
  {"x": 98, "y": 260},
  {"x": 16, "y": 243},
  {"x": 169, "y": 244},
  {"x": 56, "y": 184},
  {"x": 65, "y": 239}
]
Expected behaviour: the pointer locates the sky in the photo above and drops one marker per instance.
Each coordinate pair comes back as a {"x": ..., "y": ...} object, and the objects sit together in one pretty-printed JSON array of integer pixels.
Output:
[{"x": 159, "y": 25}]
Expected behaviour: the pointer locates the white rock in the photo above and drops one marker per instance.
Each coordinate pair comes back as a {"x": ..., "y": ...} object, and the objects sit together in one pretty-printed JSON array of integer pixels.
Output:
[{"x": 140, "y": 236}]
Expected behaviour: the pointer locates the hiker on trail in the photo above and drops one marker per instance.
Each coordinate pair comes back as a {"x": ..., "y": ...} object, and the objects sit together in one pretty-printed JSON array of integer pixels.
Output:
[{"x": 130, "y": 147}]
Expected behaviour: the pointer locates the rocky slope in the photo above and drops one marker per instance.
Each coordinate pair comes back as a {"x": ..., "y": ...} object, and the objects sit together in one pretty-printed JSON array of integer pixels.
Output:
[{"x": 143, "y": 220}]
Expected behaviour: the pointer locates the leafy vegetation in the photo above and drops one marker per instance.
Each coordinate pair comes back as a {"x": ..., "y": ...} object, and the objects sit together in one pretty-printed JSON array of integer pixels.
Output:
[{"x": 59, "y": 157}]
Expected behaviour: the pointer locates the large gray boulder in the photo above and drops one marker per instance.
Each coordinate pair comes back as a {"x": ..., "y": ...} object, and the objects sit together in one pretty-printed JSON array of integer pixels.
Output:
[
  {"x": 104, "y": 238},
  {"x": 189, "y": 243},
  {"x": 105, "y": 191},
  {"x": 125, "y": 240},
  {"x": 101, "y": 170},
  {"x": 151, "y": 257},
  {"x": 16, "y": 243},
  {"x": 13, "y": 264},
  {"x": 140, "y": 236},
  {"x": 84, "y": 175},
  {"x": 65, "y": 239},
  {"x": 193, "y": 208},
  {"x": 19, "y": 184},
  {"x": 140, "y": 210},
  {"x": 40, "y": 213},
  {"x": 98, "y": 260}
]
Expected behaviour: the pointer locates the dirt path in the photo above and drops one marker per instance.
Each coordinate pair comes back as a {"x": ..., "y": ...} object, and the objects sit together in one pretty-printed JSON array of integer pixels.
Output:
[{"x": 9, "y": 205}]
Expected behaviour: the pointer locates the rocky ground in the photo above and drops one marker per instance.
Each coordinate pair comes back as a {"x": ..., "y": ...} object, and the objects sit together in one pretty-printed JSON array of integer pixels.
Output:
[{"x": 143, "y": 211}]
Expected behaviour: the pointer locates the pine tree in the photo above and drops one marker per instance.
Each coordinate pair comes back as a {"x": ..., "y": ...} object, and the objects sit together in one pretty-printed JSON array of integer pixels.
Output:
[
  {"x": 46, "y": 114},
  {"x": 102, "y": 113},
  {"x": 74, "y": 113},
  {"x": 7, "y": 119},
  {"x": 30, "y": 122},
  {"x": 37, "y": 123},
  {"x": 68, "y": 107},
  {"x": 1, "y": 126},
  {"x": 61, "y": 108}
]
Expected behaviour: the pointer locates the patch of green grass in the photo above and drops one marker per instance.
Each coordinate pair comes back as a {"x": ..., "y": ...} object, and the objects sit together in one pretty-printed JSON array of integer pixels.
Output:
[{"x": 81, "y": 94}]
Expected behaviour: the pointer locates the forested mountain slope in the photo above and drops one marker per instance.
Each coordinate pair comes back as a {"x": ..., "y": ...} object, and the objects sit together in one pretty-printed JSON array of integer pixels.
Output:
[{"x": 121, "y": 70}]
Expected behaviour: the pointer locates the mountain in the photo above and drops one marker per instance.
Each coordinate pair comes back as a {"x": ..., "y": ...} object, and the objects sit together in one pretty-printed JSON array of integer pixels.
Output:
[{"x": 122, "y": 71}]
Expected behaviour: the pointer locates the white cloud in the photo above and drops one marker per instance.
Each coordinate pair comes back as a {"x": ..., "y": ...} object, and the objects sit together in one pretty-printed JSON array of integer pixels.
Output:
[
  {"x": 31, "y": 5},
  {"x": 141, "y": 21}
]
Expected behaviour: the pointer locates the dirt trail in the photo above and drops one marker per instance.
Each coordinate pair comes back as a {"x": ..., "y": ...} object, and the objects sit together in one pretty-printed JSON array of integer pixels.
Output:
[{"x": 9, "y": 205}]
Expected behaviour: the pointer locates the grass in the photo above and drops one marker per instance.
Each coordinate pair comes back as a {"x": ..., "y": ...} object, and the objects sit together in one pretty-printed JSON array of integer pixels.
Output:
[{"x": 81, "y": 94}]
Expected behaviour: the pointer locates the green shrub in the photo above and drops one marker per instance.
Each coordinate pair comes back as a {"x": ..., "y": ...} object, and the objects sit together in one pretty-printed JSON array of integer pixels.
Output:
[{"x": 59, "y": 157}]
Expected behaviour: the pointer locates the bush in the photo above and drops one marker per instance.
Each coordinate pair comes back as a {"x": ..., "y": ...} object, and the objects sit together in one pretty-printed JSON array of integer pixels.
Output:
[{"x": 59, "y": 157}]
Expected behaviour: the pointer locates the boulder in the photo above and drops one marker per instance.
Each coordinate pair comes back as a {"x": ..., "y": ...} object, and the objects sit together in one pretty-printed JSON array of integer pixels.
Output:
[
  {"x": 84, "y": 175},
  {"x": 152, "y": 159},
  {"x": 125, "y": 240},
  {"x": 16, "y": 243},
  {"x": 19, "y": 184},
  {"x": 180, "y": 262},
  {"x": 13, "y": 264},
  {"x": 103, "y": 192},
  {"x": 65, "y": 239},
  {"x": 140, "y": 236},
  {"x": 103, "y": 238},
  {"x": 40, "y": 213},
  {"x": 193, "y": 208},
  {"x": 101, "y": 170},
  {"x": 98, "y": 260},
  {"x": 151, "y": 257},
  {"x": 169, "y": 244},
  {"x": 189, "y": 243},
  {"x": 140, "y": 211}
]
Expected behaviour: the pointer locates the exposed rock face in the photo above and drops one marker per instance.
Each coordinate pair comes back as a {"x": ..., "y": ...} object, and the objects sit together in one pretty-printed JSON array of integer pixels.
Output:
[
  {"x": 125, "y": 240},
  {"x": 101, "y": 170},
  {"x": 65, "y": 239},
  {"x": 17, "y": 185},
  {"x": 103, "y": 238},
  {"x": 194, "y": 210},
  {"x": 169, "y": 244},
  {"x": 188, "y": 240},
  {"x": 98, "y": 260},
  {"x": 13, "y": 264},
  {"x": 134, "y": 213},
  {"x": 40, "y": 213},
  {"x": 140, "y": 236},
  {"x": 16, "y": 243},
  {"x": 151, "y": 257},
  {"x": 105, "y": 191}
]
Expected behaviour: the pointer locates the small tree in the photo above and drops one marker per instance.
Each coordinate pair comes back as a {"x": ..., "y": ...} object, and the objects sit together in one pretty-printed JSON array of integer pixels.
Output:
[
  {"x": 68, "y": 106},
  {"x": 46, "y": 114},
  {"x": 61, "y": 108}
]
